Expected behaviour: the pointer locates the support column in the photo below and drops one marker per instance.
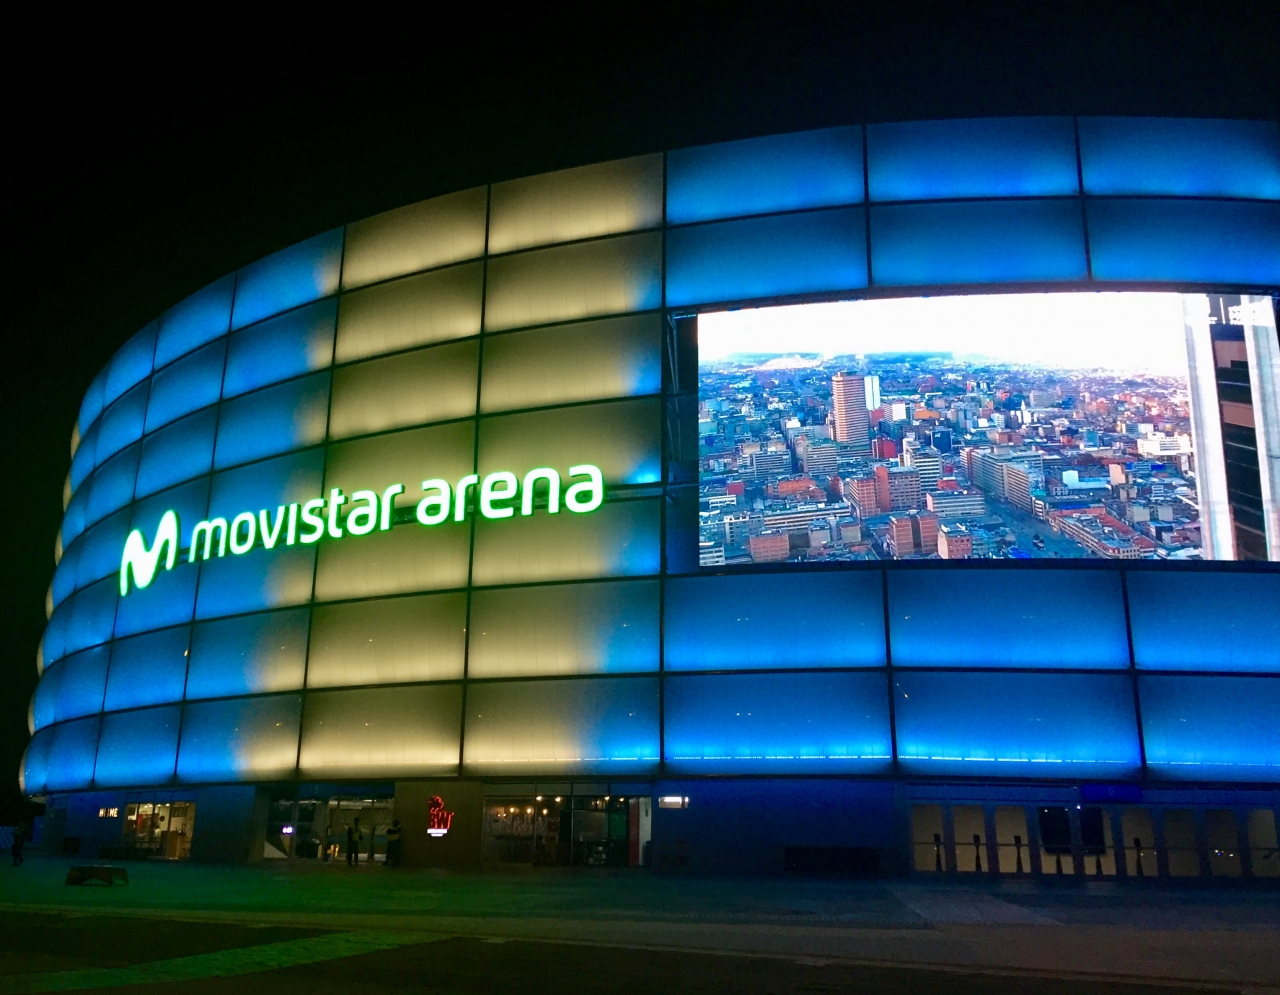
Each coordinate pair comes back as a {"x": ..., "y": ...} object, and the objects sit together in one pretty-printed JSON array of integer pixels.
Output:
[{"x": 1258, "y": 316}]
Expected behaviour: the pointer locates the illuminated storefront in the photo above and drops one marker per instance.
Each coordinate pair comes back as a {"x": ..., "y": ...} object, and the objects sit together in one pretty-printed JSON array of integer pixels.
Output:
[{"x": 455, "y": 509}]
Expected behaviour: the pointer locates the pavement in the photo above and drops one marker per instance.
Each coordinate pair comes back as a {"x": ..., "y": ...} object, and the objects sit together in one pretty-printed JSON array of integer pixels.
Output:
[{"x": 281, "y": 928}]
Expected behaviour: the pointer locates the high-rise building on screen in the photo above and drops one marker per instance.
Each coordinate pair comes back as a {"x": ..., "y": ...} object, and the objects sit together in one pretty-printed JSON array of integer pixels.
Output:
[{"x": 849, "y": 418}]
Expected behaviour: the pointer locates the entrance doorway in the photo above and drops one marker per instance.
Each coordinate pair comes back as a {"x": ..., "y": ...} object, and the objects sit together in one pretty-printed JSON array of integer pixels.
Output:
[{"x": 587, "y": 830}]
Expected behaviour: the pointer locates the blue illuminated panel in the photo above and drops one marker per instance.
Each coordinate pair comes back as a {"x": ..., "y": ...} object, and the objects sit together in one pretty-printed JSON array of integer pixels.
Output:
[
  {"x": 90, "y": 615},
  {"x": 239, "y": 739},
  {"x": 1199, "y": 241},
  {"x": 294, "y": 343},
  {"x": 35, "y": 762},
  {"x": 767, "y": 257},
  {"x": 73, "y": 517},
  {"x": 81, "y": 680},
  {"x": 1016, "y": 724},
  {"x": 177, "y": 452},
  {"x": 254, "y": 581},
  {"x": 977, "y": 242},
  {"x": 1205, "y": 621},
  {"x": 1212, "y": 728},
  {"x": 1182, "y": 156},
  {"x": 71, "y": 753},
  {"x": 170, "y": 600},
  {"x": 44, "y": 704},
  {"x": 91, "y": 406},
  {"x": 989, "y": 157},
  {"x": 254, "y": 653},
  {"x": 85, "y": 457},
  {"x": 783, "y": 723},
  {"x": 121, "y": 424},
  {"x": 1068, "y": 618},
  {"x": 137, "y": 748},
  {"x": 113, "y": 485},
  {"x": 188, "y": 500},
  {"x": 775, "y": 620},
  {"x": 269, "y": 484},
  {"x": 147, "y": 670},
  {"x": 201, "y": 318},
  {"x": 65, "y": 574},
  {"x": 187, "y": 385},
  {"x": 98, "y": 552},
  {"x": 130, "y": 365},
  {"x": 273, "y": 421},
  {"x": 297, "y": 275},
  {"x": 763, "y": 175}
]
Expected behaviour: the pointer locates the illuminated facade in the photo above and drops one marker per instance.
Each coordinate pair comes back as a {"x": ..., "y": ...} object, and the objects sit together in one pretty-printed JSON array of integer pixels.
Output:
[{"x": 408, "y": 514}]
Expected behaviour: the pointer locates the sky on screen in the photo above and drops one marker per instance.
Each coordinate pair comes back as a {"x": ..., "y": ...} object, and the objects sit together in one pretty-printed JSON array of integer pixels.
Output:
[{"x": 1131, "y": 332}]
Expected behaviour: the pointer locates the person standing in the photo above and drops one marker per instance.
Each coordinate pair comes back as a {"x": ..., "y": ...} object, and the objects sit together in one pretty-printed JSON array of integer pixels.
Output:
[
  {"x": 393, "y": 843},
  {"x": 19, "y": 837},
  {"x": 354, "y": 838}
]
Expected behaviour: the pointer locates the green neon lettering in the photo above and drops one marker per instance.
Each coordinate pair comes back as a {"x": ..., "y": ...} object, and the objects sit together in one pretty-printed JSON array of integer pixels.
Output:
[
  {"x": 553, "y": 490},
  {"x": 142, "y": 562},
  {"x": 292, "y": 536},
  {"x": 361, "y": 521},
  {"x": 312, "y": 520},
  {"x": 388, "y": 496},
  {"x": 587, "y": 495},
  {"x": 270, "y": 535},
  {"x": 206, "y": 529},
  {"x": 434, "y": 508},
  {"x": 245, "y": 518},
  {"x": 460, "y": 496},
  {"x": 336, "y": 501},
  {"x": 500, "y": 486}
]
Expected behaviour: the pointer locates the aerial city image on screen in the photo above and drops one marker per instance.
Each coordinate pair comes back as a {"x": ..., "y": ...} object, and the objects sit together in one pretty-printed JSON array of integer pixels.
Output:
[{"x": 1011, "y": 426}]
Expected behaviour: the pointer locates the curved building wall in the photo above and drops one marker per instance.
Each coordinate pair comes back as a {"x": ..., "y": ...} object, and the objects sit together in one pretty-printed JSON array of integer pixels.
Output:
[{"x": 532, "y": 324}]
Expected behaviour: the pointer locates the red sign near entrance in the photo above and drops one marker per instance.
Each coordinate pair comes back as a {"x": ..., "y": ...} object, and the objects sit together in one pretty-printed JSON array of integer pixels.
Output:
[{"x": 438, "y": 820}]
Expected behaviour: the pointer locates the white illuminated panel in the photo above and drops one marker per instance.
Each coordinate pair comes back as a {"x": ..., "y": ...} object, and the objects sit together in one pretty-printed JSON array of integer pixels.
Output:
[
  {"x": 408, "y": 558},
  {"x": 564, "y": 629},
  {"x": 376, "y": 732},
  {"x": 397, "y": 640},
  {"x": 407, "y": 458},
  {"x": 610, "y": 276},
  {"x": 420, "y": 236},
  {"x": 603, "y": 199},
  {"x": 414, "y": 311},
  {"x": 413, "y": 388}
]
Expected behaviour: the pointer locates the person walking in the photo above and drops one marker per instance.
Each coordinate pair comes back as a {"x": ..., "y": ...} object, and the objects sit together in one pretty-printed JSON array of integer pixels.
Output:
[
  {"x": 19, "y": 838},
  {"x": 354, "y": 838},
  {"x": 393, "y": 843}
]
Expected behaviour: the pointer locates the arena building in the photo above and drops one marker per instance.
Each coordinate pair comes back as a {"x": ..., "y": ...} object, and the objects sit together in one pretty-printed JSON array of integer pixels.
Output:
[{"x": 442, "y": 519}]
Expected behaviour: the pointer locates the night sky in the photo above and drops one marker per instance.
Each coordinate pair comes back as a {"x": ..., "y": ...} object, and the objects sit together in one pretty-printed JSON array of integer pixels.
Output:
[{"x": 139, "y": 174}]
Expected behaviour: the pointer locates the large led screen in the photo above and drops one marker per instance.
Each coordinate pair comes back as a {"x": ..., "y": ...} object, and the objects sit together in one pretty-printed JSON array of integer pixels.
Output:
[{"x": 1122, "y": 426}]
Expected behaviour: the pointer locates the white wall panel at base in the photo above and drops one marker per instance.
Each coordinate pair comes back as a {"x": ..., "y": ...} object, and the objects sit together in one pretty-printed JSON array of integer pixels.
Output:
[
  {"x": 388, "y": 642},
  {"x": 610, "y": 276},
  {"x": 239, "y": 739},
  {"x": 408, "y": 558},
  {"x": 584, "y": 725},
  {"x": 381, "y": 732},
  {"x": 601, "y": 199},
  {"x": 418, "y": 310},
  {"x": 584, "y": 361},
  {"x": 619, "y": 539},
  {"x": 414, "y": 388},
  {"x": 429, "y": 233},
  {"x": 564, "y": 629}
]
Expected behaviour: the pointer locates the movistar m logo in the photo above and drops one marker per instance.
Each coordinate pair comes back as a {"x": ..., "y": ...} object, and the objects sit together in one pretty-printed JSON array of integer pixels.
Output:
[
  {"x": 499, "y": 495},
  {"x": 143, "y": 562}
]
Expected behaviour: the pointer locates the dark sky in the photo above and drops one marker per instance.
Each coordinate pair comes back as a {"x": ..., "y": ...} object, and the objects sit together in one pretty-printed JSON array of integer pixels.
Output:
[{"x": 136, "y": 177}]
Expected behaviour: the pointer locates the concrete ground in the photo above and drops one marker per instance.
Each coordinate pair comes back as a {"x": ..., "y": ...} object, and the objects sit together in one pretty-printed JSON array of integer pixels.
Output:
[{"x": 280, "y": 929}]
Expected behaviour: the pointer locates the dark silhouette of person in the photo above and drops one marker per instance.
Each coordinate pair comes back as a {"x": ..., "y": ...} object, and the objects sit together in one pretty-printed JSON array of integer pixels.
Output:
[
  {"x": 393, "y": 843},
  {"x": 15, "y": 847},
  {"x": 354, "y": 838}
]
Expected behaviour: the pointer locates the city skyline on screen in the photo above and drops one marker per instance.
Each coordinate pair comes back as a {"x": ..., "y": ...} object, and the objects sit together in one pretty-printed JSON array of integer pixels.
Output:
[{"x": 980, "y": 427}]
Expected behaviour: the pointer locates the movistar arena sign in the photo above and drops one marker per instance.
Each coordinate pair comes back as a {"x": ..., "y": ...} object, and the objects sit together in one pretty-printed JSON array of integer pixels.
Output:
[{"x": 499, "y": 495}]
